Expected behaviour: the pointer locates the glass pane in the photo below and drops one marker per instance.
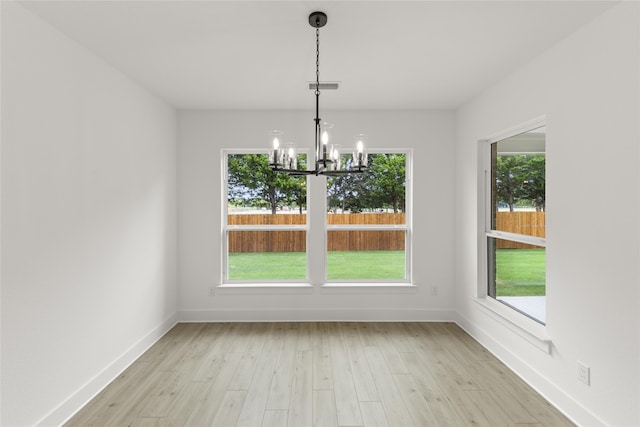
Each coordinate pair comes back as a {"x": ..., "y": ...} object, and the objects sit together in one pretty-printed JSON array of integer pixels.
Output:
[
  {"x": 254, "y": 189},
  {"x": 377, "y": 195},
  {"x": 267, "y": 255},
  {"x": 517, "y": 276},
  {"x": 367, "y": 255},
  {"x": 518, "y": 189}
]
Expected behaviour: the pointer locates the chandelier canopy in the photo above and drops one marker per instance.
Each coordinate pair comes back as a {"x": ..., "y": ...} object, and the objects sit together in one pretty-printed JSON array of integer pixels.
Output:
[{"x": 328, "y": 159}]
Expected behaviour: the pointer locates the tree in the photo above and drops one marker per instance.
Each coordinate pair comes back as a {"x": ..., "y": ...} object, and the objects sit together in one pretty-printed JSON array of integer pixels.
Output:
[
  {"x": 347, "y": 192},
  {"x": 387, "y": 178},
  {"x": 521, "y": 178},
  {"x": 381, "y": 186},
  {"x": 509, "y": 179},
  {"x": 251, "y": 182},
  {"x": 534, "y": 184},
  {"x": 297, "y": 191}
]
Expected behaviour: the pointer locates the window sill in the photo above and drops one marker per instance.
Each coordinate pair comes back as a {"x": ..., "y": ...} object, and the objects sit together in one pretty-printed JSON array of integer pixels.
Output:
[
  {"x": 532, "y": 331},
  {"x": 368, "y": 288},
  {"x": 307, "y": 288},
  {"x": 263, "y": 288}
]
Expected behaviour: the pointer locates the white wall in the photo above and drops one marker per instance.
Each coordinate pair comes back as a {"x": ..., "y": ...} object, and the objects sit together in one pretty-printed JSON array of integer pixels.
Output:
[
  {"x": 588, "y": 87},
  {"x": 88, "y": 221},
  {"x": 89, "y": 211},
  {"x": 201, "y": 137}
]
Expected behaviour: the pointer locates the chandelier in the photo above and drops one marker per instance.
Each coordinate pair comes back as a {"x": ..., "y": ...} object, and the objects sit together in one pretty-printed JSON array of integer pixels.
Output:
[{"x": 328, "y": 159}]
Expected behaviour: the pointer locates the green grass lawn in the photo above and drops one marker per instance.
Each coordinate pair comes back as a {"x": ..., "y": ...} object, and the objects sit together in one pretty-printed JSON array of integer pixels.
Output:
[
  {"x": 520, "y": 272},
  {"x": 353, "y": 265},
  {"x": 267, "y": 266},
  {"x": 347, "y": 265}
]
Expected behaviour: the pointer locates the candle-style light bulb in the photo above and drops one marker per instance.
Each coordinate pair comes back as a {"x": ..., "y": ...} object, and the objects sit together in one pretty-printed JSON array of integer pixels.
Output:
[
  {"x": 324, "y": 139},
  {"x": 290, "y": 159},
  {"x": 274, "y": 151},
  {"x": 325, "y": 136},
  {"x": 336, "y": 159},
  {"x": 359, "y": 156}
]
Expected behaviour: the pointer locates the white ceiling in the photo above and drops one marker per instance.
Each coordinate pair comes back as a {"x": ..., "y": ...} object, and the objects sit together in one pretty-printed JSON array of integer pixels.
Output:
[{"x": 261, "y": 54}]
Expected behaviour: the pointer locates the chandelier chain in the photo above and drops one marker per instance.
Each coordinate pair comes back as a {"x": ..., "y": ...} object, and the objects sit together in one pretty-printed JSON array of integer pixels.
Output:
[{"x": 317, "y": 61}]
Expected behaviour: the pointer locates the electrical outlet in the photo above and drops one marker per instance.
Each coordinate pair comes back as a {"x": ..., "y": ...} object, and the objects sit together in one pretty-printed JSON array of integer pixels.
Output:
[
  {"x": 212, "y": 291},
  {"x": 434, "y": 291},
  {"x": 584, "y": 373}
]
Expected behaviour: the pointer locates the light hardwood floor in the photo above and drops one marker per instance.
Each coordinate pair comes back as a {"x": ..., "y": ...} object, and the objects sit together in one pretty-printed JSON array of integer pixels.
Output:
[{"x": 317, "y": 374}]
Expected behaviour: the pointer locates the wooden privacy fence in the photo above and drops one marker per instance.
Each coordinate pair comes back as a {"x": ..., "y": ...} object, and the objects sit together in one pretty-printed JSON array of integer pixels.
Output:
[
  {"x": 379, "y": 240},
  {"x": 295, "y": 241},
  {"x": 267, "y": 241},
  {"x": 529, "y": 223}
]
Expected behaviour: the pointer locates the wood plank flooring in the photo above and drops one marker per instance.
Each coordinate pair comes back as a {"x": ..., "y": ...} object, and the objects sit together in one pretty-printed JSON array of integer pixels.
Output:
[{"x": 317, "y": 374}]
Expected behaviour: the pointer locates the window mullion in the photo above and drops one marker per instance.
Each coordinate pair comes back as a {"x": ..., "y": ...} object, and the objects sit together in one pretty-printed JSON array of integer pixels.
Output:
[{"x": 316, "y": 243}]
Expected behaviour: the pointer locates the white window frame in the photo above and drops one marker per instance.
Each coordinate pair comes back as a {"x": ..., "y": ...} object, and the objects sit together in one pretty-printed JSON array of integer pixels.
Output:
[
  {"x": 286, "y": 284},
  {"x": 523, "y": 325},
  {"x": 314, "y": 227},
  {"x": 406, "y": 227}
]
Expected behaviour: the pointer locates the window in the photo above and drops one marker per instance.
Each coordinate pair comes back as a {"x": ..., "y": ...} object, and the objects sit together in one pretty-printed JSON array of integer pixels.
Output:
[
  {"x": 264, "y": 221},
  {"x": 266, "y": 227},
  {"x": 367, "y": 222},
  {"x": 514, "y": 236}
]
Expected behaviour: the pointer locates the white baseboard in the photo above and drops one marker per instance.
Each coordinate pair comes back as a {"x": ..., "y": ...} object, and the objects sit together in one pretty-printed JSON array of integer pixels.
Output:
[
  {"x": 316, "y": 315},
  {"x": 77, "y": 400},
  {"x": 542, "y": 384}
]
